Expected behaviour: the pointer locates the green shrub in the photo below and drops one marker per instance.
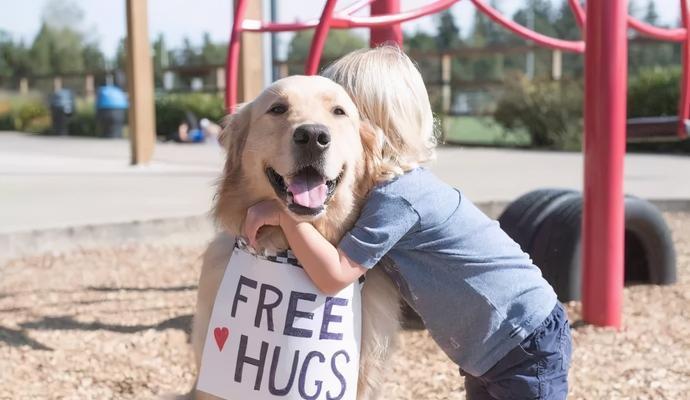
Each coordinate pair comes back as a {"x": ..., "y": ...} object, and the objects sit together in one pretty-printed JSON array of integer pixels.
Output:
[
  {"x": 83, "y": 122},
  {"x": 654, "y": 92},
  {"x": 31, "y": 116},
  {"x": 6, "y": 117},
  {"x": 550, "y": 111},
  {"x": 170, "y": 109}
]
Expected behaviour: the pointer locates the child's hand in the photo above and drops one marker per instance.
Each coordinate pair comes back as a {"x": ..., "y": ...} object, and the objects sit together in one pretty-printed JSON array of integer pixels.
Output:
[{"x": 267, "y": 212}]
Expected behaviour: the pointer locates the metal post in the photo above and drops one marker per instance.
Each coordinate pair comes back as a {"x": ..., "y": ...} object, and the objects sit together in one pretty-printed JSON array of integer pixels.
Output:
[
  {"x": 389, "y": 34},
  {"x": 606, "y": 73},
  {"x": 319, "y": 40}
]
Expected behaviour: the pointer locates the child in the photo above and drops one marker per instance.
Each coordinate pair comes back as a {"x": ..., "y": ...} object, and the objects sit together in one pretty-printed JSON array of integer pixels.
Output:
[{"x": 480, "y": 296}]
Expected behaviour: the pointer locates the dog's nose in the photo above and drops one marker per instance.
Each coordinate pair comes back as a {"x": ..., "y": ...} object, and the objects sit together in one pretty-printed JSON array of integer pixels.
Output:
[{"x": 315, "y": 136}]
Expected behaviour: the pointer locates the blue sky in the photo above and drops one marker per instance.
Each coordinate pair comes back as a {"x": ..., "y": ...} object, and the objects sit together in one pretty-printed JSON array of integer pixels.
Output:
[{"x": 179, "y": 18}]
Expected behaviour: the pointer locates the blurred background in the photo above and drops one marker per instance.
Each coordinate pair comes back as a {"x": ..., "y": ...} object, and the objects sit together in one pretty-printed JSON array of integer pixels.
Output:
[
  {"x": 504, "y": 92},
  {"x": 101, "y": 241}
]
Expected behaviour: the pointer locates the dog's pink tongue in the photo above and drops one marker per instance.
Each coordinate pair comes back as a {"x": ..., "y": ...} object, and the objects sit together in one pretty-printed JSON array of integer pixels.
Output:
[{"x": 308, "y": 189}]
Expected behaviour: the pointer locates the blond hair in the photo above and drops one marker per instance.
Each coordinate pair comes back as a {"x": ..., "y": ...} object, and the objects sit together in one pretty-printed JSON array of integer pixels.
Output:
[{"x": 390, "y": 94}]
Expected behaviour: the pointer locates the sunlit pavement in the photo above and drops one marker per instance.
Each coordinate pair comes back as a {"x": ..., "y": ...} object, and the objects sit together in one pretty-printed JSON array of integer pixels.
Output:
[{"x": 55, "y": 182}]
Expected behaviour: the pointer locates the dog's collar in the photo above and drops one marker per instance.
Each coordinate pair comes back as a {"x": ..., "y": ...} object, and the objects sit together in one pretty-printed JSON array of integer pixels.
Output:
[{"x": 278, "y": 256}]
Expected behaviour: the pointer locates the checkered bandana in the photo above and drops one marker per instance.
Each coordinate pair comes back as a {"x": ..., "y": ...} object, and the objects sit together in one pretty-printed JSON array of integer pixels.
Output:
[{"x": 278, "y": 256}]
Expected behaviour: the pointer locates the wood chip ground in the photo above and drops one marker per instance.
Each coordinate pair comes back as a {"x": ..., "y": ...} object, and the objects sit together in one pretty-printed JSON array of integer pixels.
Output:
[{"x": 114, "y": 323}]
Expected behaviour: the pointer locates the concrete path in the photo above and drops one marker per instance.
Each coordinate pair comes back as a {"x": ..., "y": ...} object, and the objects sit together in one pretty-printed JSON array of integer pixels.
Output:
[{"x": 48, "y": 182}]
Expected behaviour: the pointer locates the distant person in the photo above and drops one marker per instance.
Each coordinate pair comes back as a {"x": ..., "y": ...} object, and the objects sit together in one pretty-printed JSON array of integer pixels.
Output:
[{"x": 193, "y": 130}]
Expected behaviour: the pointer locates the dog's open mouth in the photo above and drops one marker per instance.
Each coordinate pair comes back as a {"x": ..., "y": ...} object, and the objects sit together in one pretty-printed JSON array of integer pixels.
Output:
[{"x": 306, "y": 192}]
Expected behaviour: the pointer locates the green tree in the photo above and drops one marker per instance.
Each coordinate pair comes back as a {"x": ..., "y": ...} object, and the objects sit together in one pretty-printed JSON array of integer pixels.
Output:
[
  {"x": 420, "y": 41},
  {"x": 448, "y": 33},
  {"x": 94, "y": 60},
  {"x": 564, "y": 23},
  {"x": 650, "y": 15},
  {"x": 14, "y": 57},
  {"x": 56, "y": 51},
  {"x": 213, "y": 53},
  {"x": 338, "y": 43},
  {"x": 160, "y": 59},
  {"x": 542, "y": 16},
  {"x": 646, "y": 54},
  {"x": 61, "y": 14},
  {"x": 486, "y": 33},
  {"x": 567, "y": 28},
  {"x": 121, "y": 55}
]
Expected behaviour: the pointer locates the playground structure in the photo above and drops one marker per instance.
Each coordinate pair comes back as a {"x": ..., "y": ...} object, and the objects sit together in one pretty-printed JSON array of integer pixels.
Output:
[{"x": 604, "y": 24}]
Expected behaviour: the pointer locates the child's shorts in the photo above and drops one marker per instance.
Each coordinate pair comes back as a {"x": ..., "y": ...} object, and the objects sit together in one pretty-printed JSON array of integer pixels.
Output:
[{"x": 536, "y": 369}]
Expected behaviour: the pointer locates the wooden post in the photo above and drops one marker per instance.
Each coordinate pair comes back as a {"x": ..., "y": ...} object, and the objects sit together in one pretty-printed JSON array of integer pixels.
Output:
[
  {"x": 23, "y": 86},
  {"x": 251, "y": 71},
  {"x": 57, "y": 83},
  {"x": 89, "y": 87},
  {"x": 220, "y": 80},
  {"x": 142, "y": 127},
  {"x": 283, "y": 70},
  {"x": 557, "y": 65},
  {"x": 446, "y": 94}
]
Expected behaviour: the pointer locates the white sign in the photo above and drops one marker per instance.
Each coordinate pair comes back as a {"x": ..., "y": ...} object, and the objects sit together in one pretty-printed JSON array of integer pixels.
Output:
[{"x": 273, "y": 334}]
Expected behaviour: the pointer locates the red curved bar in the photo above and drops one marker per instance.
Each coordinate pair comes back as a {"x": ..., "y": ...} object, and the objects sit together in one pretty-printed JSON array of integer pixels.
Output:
[
  {"x": 672, "y": 35},
  {"x": 578, "y": 12},
  {"x": 319, "y": 39},
  {"x": 354, "y": 7},
  {"x": 233, "y": 58},
  {"x": 538, "y": 38},
  {"x": 684, "y": 103},
  {"x": 392, "y": 19},
  {"x": 253, "y": 25},
  {"x": 346, "y": 21}
]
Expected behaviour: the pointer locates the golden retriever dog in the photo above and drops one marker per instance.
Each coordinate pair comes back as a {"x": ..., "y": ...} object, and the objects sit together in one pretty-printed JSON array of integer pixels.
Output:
[{"x": 301, "y": 132}]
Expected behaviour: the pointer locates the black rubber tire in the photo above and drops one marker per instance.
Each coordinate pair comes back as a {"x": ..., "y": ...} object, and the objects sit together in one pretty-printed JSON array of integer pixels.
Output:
[
  {"x": 649, "y": 253},
  {"x": 521, "y": 219},
  {"x": 555, "y": 249}
]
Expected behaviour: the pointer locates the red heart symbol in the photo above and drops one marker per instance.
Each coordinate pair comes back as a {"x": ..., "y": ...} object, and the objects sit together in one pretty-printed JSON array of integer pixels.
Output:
[{"x": 221, "y": 335}]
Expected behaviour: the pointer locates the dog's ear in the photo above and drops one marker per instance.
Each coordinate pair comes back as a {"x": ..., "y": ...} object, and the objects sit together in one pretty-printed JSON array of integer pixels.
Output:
[{"x": 234, "y": 135}]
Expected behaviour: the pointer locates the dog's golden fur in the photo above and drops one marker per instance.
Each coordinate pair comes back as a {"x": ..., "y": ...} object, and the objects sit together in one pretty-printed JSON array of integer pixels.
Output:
[{"x": 257, "y": 139}]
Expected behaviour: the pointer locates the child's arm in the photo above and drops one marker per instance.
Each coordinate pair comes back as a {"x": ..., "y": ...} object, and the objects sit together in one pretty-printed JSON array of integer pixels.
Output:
[{"x": 329, "y": 269}]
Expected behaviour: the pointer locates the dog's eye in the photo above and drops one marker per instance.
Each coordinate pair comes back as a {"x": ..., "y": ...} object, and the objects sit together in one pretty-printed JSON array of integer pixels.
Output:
[
  {"x": 338, "y": 111},
  {"x": 278, "y": 109}
]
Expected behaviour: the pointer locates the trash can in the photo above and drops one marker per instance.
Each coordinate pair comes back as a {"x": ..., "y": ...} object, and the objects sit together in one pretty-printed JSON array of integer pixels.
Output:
[
  {"x": 61, "y": 109},
  {"x": 111, "y": 111}
]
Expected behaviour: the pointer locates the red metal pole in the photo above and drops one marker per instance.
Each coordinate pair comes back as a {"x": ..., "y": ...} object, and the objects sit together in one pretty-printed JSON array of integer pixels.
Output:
[
  {"x": 684, "y": 103},
  {"x": 232, "y": 63},
  {"x": 606, "y": 73},
  {"x": 319, "y": 40},
  {"x": 389, "y": 34}
]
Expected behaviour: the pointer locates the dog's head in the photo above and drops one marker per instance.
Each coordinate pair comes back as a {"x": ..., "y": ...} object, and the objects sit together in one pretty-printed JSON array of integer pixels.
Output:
[{"x": 300, "y": 141}]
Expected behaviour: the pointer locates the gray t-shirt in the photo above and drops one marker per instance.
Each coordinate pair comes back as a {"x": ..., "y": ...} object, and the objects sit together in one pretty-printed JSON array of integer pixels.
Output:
[{"x": 478, "y": 293}]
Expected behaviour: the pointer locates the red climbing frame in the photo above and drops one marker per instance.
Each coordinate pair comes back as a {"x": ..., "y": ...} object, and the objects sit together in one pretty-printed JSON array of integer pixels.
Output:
[{"x": 604, "y": 25}]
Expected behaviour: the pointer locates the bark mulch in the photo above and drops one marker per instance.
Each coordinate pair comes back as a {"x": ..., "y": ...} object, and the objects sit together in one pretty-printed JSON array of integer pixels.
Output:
[{"x": 114, "y": 323}]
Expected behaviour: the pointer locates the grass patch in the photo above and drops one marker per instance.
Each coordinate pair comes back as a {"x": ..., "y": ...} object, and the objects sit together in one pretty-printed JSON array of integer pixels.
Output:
[{"x": 483, "y": 131}]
